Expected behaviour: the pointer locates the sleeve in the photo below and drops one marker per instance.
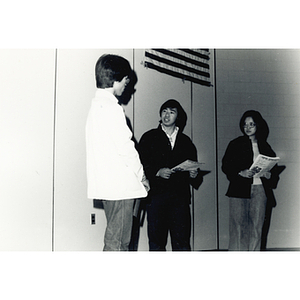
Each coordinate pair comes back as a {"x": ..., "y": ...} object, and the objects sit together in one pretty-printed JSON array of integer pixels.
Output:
[
  {"x": 232, "y": 164},
  {"x": 146, "y": 151},
  {"x": 122, "y": 137}
]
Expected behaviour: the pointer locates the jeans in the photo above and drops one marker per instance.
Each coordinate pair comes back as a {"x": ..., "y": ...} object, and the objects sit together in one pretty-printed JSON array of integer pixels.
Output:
[
  {"x": 169, "y": 213},
  {"x": 246, "y": 219},
  {"x": 119, "y": 224}
]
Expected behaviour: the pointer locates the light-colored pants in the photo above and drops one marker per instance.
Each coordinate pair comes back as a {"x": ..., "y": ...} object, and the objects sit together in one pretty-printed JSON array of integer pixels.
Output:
[
  {"x": 119, "y": 224},
  {"x": 246, "y": 219}
]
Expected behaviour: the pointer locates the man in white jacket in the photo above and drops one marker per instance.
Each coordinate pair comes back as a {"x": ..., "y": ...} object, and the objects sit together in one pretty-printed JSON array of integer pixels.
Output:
[{"x": 114, "y": 172}]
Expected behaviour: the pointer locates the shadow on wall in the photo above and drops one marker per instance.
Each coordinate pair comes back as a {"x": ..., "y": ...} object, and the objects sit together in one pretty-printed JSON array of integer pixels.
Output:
[{"x": 270, "y": 205}]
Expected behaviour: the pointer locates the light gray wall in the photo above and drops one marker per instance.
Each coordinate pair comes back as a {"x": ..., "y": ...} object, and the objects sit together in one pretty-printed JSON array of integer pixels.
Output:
[{"x": 43, "y": 183}]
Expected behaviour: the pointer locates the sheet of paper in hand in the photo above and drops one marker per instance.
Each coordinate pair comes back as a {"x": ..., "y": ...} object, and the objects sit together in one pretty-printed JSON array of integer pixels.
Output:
[
  {"x": 263, "y": 164},
  {"x": 187, "y": 165}
]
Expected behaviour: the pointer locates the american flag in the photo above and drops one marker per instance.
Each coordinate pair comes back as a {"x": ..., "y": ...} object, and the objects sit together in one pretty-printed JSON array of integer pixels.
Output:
[{"x": 187, "y": 64}]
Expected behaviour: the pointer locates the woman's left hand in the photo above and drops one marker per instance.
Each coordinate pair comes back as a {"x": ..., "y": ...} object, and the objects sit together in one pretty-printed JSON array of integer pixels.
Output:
[
  {"x": 194, "y": 173},
  {"x": 267, "y": 175}
]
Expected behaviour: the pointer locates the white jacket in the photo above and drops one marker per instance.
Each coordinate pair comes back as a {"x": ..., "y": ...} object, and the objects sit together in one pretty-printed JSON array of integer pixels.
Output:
[{"x": 114, "y": 169}]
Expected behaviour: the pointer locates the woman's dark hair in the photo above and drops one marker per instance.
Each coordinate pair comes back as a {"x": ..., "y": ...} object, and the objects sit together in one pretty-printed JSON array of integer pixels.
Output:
[
  {"x": 110, "y": 68},
  {"x": 181, "y": 114},
  {"x": 262, "y": 128}
]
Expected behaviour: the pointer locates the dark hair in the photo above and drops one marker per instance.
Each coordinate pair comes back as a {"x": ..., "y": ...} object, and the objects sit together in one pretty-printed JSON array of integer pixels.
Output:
[
  {"x": 110, "y": 68},
  {"x": 262, "y": 128},
  {"x": 181, "y": 114}
]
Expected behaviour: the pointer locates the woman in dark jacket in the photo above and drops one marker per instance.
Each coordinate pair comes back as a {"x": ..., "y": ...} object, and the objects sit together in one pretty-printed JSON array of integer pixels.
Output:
[{"x": 248, "y": 195}]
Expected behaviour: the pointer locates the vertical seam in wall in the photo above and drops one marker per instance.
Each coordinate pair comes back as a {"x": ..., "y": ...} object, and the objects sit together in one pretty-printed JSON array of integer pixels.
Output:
[
  {"x": 53, "y": 149},
  {"x": 193, "y": 206},
  {"x": 216, "y": 149}
]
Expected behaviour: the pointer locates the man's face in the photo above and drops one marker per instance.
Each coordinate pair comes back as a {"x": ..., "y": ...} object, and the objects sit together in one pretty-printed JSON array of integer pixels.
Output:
[
  {"x": 169, "y": 116},
  {"x": 119, "y": 86}
]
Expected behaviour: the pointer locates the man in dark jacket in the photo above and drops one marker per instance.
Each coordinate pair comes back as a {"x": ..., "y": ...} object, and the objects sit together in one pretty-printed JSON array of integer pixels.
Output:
[{"x": 162, "y": 149}]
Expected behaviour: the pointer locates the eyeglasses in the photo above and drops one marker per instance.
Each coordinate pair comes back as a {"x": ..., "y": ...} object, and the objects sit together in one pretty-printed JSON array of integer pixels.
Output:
[{"x": 250, "y": 125}]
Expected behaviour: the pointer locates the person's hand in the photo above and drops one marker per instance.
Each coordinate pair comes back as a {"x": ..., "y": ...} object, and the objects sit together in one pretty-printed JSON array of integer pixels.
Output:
[
  {"x": 247, "y": 173},
  {"x": 165, "y": 173},
  {"x": 267, "y": 175},
  {"x": 193, "y": 173},
  {"x": 146, "y": 184}
]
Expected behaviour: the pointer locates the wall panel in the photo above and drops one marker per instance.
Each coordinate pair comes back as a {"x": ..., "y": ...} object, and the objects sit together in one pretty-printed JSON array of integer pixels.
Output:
[
  {"x": 26, "y": 151},
  {"x": 204, "y": 137}
]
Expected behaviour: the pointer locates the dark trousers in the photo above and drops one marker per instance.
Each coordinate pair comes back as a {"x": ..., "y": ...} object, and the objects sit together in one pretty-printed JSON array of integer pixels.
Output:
[{"x": 169, "y": 213}]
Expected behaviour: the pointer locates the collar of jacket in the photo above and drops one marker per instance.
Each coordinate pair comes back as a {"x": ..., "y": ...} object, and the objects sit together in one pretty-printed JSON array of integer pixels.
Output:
[{"x": 103, "y": 93}]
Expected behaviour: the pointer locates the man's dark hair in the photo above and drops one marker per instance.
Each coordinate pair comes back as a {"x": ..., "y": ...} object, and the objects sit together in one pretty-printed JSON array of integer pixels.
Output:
[
  {"x": 262, "y": 128},
  {"x": 110, "y": 68},
  {"x": 181, "y": 114}
]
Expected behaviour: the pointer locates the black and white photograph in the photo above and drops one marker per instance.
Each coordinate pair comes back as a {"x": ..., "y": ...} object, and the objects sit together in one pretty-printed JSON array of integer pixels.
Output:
[{"x": 124, "y": 158}]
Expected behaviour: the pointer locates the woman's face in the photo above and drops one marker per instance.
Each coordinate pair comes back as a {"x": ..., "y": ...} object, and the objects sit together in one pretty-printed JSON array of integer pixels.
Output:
[{"x": 249, "y": 127}]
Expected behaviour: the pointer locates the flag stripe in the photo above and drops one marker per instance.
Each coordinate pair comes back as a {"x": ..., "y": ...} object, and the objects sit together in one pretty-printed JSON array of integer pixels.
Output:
[
  {"x": 195, "y": 53},
  {"x": 176, "y": 74},
  {"x": 177, "y": 65},
  {"x": 183, "y": 58},
  {"x": 187, "y": 64}
]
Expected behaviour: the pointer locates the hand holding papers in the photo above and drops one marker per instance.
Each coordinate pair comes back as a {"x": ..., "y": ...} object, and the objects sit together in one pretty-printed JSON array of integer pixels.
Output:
[
  {"x": 187, "y": 165},
  {"x": 263, "y": 164}
]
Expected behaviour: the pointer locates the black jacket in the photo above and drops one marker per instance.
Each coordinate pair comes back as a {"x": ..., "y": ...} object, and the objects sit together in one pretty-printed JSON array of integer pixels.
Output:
[
  {"x": 156, "y": 153},
  {"x": 238, "y": 157}
]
